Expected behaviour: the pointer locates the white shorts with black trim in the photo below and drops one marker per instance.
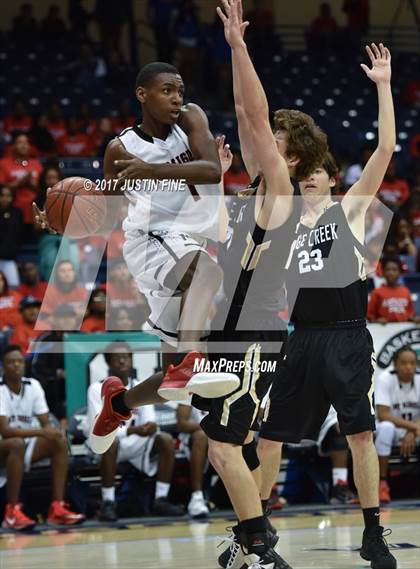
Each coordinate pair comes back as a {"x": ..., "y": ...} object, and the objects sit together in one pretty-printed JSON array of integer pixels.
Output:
[{"x": 150, "y": 257}]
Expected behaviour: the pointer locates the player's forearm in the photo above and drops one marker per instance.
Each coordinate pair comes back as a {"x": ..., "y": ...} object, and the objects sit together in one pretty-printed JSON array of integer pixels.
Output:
[
  {"x": 398, "y": 422},
  {"x": 252, "y": 96},
  {"x": 196, "y": 172},
  {"x": 386, "y": 119},
  {"x": 12, "y": 432}
]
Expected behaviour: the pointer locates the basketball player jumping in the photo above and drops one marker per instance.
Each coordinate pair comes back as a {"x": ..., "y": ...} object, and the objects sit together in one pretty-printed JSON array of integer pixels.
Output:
[
  {"x": 253, "y": 259},
  {"x": 330, "y": 356},
  {"x": 165, "y": 235}
]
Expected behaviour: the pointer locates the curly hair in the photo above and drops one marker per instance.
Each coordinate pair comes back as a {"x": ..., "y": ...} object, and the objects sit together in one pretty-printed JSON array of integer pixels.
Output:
[
  {"x": 304, "y": 140},
  {"x": 330, "y": 165}
]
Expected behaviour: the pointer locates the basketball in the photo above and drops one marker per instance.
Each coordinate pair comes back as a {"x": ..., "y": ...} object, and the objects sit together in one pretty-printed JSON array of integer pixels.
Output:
[{"x": 75, "y": 206}]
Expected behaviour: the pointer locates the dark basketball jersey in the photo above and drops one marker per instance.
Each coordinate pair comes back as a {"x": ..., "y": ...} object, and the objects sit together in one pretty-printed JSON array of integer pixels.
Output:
[
  {"x": 253, "y": 260},
  {"x": 325, "y": 279}
]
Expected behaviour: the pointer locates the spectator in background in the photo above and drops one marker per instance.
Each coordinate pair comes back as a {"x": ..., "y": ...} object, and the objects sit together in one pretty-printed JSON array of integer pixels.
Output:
[
  {"x": 18, "y": 121},
  {"x": 160, "y": 15},
  {"x": 121, "y": 319},
  {"x": 75, "y": 142},
  {"x": 21, "y": 173},
  {"x": 95, "y": 321},
  {"x": 65, "y": 290},
  {"x": 31, "y": 284},
  {"x": 236, "y": 178},
  {"x": 138, "y": 442},
  {"x": 119, "y": 286},
  {"x": 193, "y": 443},
  {"x": 89, "y": 69},
  {"x": 53, "y": 29},
  {"x": 103, "y": 134},
  {"x": 48, "y": 361},
  {"x": 55, "y": 124},
  {"x": 22, "y": 400},
  {"x": 187, "y": 31},
  {"x": 53, "y": 248},
  {"x": 24, "y": 331},
  {"x": 11, "y": 234},
  {"x": 9, "y": 305},
  {"x": 25, "y": 30},
  {"x": 393, "y": 192},
  {"x": 355, "y": 170},
  {"x": 79, "y": 19},
  {"x": 401, "y": 236},
  {"x": 41, "y": 137},
  {"x": 397, "y": 400},
  {"x": 124, "y": 118},
  {"x": 322, "y": 34},
  {"x": 391, "y": 302},
  {"x": 85, "y": 122}
]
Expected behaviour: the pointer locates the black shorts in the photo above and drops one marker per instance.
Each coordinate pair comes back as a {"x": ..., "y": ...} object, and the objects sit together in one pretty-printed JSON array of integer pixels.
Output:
[
  {"x": 323, "y": 366},
  {"x": 230, "y": 418}
]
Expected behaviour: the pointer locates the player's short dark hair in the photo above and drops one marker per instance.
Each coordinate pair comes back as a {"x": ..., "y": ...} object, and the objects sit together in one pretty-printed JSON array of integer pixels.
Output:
[
  {"x": 113, "y": 347},
  {"x": 395, "y": 260},
  {"x": 149, "y": 72},
  {"x": 11, "y": 348},
  {"x": 330, "y": 165},
  {"x": 401, "y": 351},
  {"x": 304, "y": 139}
]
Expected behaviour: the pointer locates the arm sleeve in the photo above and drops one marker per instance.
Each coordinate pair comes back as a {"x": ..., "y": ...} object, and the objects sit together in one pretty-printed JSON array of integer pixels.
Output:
[
  {"x": 382, "y": 391},
  {"x": 40, "y": 406}
]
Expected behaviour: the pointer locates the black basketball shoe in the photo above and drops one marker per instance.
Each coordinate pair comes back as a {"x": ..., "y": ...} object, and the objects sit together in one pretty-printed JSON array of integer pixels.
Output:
[
  {"x": 232, "y": 557},
  {"x": 269, "y": 560},
  {"x": 375, "y": 549}
]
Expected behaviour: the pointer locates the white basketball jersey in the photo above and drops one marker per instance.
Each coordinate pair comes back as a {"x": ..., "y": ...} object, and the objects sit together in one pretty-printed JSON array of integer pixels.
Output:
[
  {"x": 166, "y": 205},
  {"x": 21, "y": 408},
  {"x": 402, "y": 398}
]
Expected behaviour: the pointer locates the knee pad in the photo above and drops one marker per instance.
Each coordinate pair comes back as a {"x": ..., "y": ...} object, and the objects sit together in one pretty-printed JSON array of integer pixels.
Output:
[{"x": 249, "y": 452}]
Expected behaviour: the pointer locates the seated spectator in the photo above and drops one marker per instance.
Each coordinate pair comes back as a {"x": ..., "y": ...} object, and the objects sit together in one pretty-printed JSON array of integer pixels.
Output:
[
  {"x": 25, "y": 30},
  {"x": 236, "y": 178},
  {"x": 11, "y": 235},
  {"x": 95, "y": 321},
  {"x": 22, "y": 400},
  {"x": 48, "y": 362},
  {"x": 124, "y": 118},
  {"x": 75, "y": 142},
  {"x": 9, "y": 305},
  {"x": 25, "y": 332},
  {"x": 31, "y": 284},
  {"x": 65, "y": 290},
  {"x": 401, "y": 237},
  {"x": 119, "y": 287},
  {"x": 51, "y": 247},
  {"x": 391, "y": 302},
  {"x": 333, "y": 444},
  {"x": 138, "y": 442},
  {"x": 397, "y": 400},
  {"x": 55, "y": 122},
  {"x": 121, "y": 319},
  {"x": 53, "y": 28},
  {"x": 18, "y": 121},
  {"x": 393, "y": 192},
  {"x": 85, "y": 121},
  {"x": 323, "y": 30},
  {"x": 193, "y": 443},
  {"x": 41, "y": 137},
  {"x": 21, "y": 173},
  {"x": 103, "y": 134}
]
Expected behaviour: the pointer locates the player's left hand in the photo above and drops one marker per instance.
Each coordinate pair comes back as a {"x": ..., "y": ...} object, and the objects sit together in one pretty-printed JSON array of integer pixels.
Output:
[
  {"x": 408, "y": 444},
  {"x": 381, "y": 63},
  {"x": 133, "y": 169},
  {"x": 225, "y": 153},
  {"x": 232, "y": 22}
]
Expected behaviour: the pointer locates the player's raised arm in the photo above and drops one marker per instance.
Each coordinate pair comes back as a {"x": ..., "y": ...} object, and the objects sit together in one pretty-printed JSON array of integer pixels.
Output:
[
  {"x": 254, "y": 102},
  {"x": 204, "y": 169},
  {"x": 225, "y": 156},
  {"x": 375, "y": 169}
]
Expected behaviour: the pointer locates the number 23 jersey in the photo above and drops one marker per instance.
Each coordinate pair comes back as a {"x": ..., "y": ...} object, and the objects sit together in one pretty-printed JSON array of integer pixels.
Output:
[{"x": 326, "y": 280}]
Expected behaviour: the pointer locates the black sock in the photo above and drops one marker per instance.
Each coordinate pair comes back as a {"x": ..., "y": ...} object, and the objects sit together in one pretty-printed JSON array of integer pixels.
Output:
[
  {"x": 119, "y": 406},
  {"x": 254, "y": 535},
  {"x": 371, "y": 517},
  {"x": 264, "y": 504}
]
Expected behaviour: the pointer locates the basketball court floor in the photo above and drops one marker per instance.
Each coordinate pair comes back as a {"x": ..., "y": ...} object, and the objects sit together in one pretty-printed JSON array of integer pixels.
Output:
[{"x": 309, "y": 538}]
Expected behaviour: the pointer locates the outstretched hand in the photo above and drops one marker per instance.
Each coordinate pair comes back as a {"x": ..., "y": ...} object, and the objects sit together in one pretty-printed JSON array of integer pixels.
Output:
[
  {"x": 40, "y": 218},
  {"x": 381, "y": 63},
  {"x": 225, "y": 153},
  {"x": 231, "y": 17}
]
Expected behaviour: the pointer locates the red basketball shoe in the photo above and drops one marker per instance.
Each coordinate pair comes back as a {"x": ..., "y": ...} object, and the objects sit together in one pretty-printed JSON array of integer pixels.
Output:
[
  {"x": 105, "y": 427},
  {"x": 182, "y": 380},
  {"x": 15, "y": 519},
  {"x": 60, "y": 514}
]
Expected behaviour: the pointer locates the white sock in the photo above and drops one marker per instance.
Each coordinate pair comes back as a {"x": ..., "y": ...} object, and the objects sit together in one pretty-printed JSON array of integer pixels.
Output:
[
  {"x": 339, "y": 474},
  {"x": 162, "y": 490},
  {"x": 108, "y": 494},
  {"x": 197, "y": 494}
]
